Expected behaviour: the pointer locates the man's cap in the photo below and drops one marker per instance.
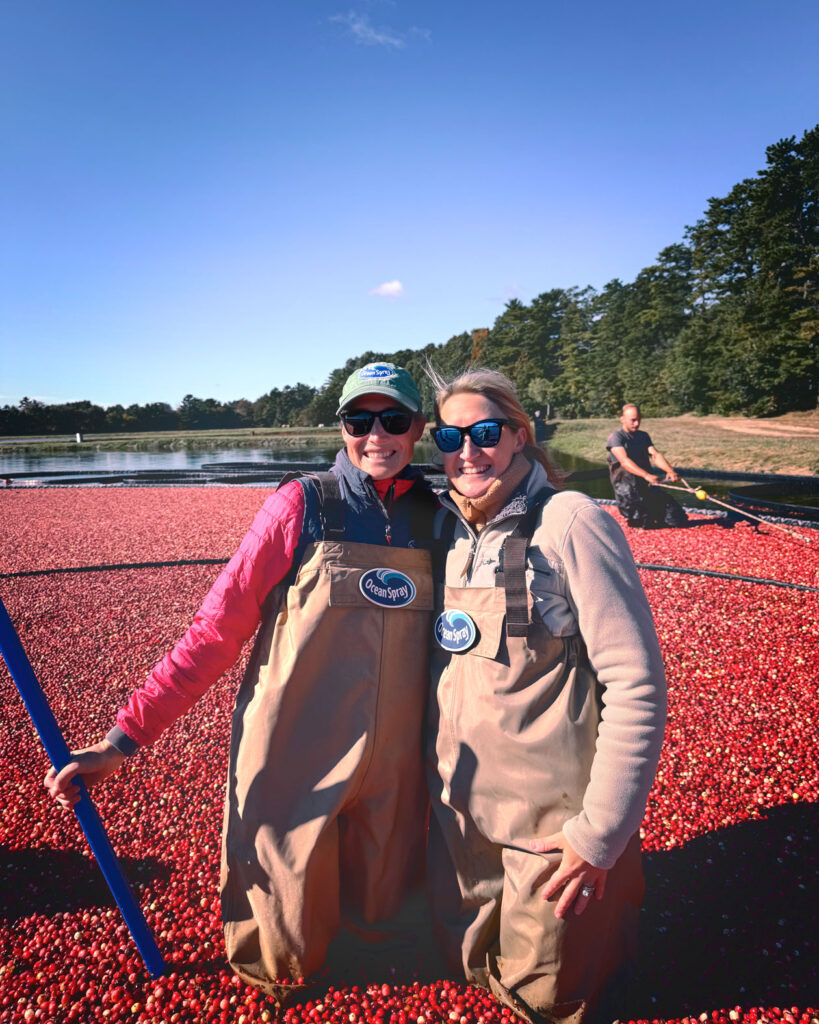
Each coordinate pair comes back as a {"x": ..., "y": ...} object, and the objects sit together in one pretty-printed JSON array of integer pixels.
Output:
[{"x": 381, "y": 379}]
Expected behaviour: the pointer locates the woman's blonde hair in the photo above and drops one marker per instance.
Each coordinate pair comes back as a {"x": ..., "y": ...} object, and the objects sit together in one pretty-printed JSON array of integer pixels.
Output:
[{"x": 496, "y": 388}]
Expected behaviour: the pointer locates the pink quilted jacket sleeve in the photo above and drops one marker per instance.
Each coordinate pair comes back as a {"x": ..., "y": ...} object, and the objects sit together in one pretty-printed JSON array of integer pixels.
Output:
[{"x": 228, "y": 617}]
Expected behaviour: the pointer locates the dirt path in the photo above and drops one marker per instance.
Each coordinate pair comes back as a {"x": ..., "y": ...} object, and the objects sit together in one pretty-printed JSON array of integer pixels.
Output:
[{"x": 763, "y": 429}]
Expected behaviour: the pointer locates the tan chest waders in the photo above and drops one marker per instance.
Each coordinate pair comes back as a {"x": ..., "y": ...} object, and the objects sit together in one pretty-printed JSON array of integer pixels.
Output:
[
  {"x": 326, "y": 797},
  {"x": 514, "y": 733}
]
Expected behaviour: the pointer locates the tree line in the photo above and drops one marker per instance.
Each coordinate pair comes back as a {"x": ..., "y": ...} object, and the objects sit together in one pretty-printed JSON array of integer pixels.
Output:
[
  {"x": 725, "y": 321},
  {"x": 277, "y": 408}
]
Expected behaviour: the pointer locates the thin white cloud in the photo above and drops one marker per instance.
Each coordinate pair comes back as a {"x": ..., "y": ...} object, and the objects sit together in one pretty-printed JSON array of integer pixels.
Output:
[
  {"x": 511, "y": 291},
  {"x": 359, "y": 26},
  {"x": 389, "y": 290},
  {"x": 363, "y": 32}
]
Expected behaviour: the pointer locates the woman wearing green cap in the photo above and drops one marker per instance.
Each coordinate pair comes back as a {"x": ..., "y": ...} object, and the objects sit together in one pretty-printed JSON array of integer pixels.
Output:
[{"x": 326, "y": 801}]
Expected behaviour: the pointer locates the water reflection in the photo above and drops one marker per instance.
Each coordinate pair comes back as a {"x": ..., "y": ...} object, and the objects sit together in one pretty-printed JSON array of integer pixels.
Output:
[
  {"x": 87, "y": 461},
  {"x": 257, "y": 466}
]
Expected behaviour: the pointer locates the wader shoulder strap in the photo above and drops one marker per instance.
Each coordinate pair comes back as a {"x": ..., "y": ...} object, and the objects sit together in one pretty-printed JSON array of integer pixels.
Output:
[
  {"x": 331, "y": 507},
  {"x": 422, "y": 508},
  {"x": 442, "y": 545},
  {"x": 512, "y": 570}
]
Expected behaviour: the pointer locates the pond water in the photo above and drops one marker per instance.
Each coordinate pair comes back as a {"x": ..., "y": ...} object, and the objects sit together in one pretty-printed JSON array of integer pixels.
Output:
[
  {"x": 90, "y": 461},
  {"x": 87, "y": 466},
  {"x": 257, "y": 466},
  {"x": 86, "y": 460}
]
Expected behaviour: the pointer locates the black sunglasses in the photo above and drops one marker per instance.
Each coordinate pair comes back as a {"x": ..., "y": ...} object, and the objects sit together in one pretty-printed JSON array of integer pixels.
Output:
[
  {"x": 485, "y": 434},
  {"x": 394, "y": 421}
]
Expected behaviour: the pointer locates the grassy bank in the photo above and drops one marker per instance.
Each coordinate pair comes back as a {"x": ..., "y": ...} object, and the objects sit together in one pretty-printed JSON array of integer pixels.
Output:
[{"x": 783, "y": 444}]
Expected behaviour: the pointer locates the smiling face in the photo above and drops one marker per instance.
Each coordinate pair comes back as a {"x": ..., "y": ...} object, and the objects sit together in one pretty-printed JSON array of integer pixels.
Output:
[
  {"x": 473, "y": 470},
  {"x": 379, "y": 454}
]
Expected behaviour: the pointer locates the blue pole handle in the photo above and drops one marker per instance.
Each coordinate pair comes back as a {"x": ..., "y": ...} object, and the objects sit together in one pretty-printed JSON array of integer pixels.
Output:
[{"x": 57, "y": 749}]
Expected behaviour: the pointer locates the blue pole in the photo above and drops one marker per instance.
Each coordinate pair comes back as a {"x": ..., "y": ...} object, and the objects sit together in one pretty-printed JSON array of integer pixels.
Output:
[{"x": 57, "y": 749}]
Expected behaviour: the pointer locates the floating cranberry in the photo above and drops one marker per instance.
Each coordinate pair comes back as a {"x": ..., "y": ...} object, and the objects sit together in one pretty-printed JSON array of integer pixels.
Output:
[{"x": 729, "y": 834}]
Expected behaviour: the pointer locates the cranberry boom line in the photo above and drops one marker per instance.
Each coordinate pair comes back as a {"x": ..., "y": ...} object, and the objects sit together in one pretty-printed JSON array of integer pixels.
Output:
[
  {"x": 703, "y": 495},
  {"x": 57, "y": 749}
]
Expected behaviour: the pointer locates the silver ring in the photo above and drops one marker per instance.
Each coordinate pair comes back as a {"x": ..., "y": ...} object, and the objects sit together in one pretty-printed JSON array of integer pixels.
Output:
[{"x": 587, "y": 890}]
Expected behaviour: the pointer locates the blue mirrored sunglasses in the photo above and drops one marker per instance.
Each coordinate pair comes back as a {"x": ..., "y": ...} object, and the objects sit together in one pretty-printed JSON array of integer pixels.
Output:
[{"x": 484, "y": 433}]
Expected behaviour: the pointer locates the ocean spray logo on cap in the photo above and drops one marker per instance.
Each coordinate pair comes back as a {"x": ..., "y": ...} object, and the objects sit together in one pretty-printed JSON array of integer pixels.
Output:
[
  {"x": 387, "y": 588},
  {"x": 455, "y": 630},
  {"x": 385, "y": 379},
  {"x": 377, "y": 371}
]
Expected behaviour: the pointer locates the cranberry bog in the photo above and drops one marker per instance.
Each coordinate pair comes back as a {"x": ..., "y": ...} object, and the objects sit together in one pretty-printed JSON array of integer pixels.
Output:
[{"x": 730, "y": 835}]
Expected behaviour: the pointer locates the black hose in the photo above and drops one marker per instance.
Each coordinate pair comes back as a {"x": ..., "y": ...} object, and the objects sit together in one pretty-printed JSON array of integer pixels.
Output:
[
  {"x": 111, "y": 568},
  {"x": 223, "y": 561},
  {"x": 725, "y": 576}
]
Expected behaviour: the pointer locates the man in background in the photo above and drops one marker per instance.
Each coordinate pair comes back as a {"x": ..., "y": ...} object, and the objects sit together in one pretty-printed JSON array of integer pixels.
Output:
[{"x": 639, "y": 498}]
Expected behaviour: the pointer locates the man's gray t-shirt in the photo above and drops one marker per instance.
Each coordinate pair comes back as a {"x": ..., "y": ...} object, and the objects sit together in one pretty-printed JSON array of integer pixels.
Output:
[{"x": 636, "y": 445}]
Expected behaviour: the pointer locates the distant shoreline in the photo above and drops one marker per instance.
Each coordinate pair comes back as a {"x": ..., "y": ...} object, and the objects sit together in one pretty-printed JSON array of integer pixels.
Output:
[
  {"x": 786, "y": 444},
  {"x": 175, "y": 440}
]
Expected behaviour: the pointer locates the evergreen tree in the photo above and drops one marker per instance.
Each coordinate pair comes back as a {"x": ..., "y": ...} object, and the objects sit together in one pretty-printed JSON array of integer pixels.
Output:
[
  {"x": 604, "y": 392},
  {"x": 756, "y": 258},
  {"x": 570, "y": 388},
  {"x": 524, "y": 341}
]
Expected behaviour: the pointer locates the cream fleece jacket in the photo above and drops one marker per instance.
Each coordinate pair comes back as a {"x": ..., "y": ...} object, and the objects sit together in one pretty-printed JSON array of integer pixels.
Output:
[{"x": 582, "y": 577}]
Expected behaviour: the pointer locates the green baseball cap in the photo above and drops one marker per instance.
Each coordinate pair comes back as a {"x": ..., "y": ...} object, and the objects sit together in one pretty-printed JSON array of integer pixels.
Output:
[{"x": 381, "y": 379}]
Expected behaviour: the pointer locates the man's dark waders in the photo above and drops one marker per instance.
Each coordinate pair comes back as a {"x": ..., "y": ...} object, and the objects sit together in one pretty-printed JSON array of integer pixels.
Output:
[
  {"x": 641, "y": 504},
  {"x": 326, "y": 799}
]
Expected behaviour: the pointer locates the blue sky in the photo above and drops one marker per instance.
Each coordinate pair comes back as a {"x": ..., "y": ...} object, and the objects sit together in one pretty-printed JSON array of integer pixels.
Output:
[{"x": 223, "y": 197}]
